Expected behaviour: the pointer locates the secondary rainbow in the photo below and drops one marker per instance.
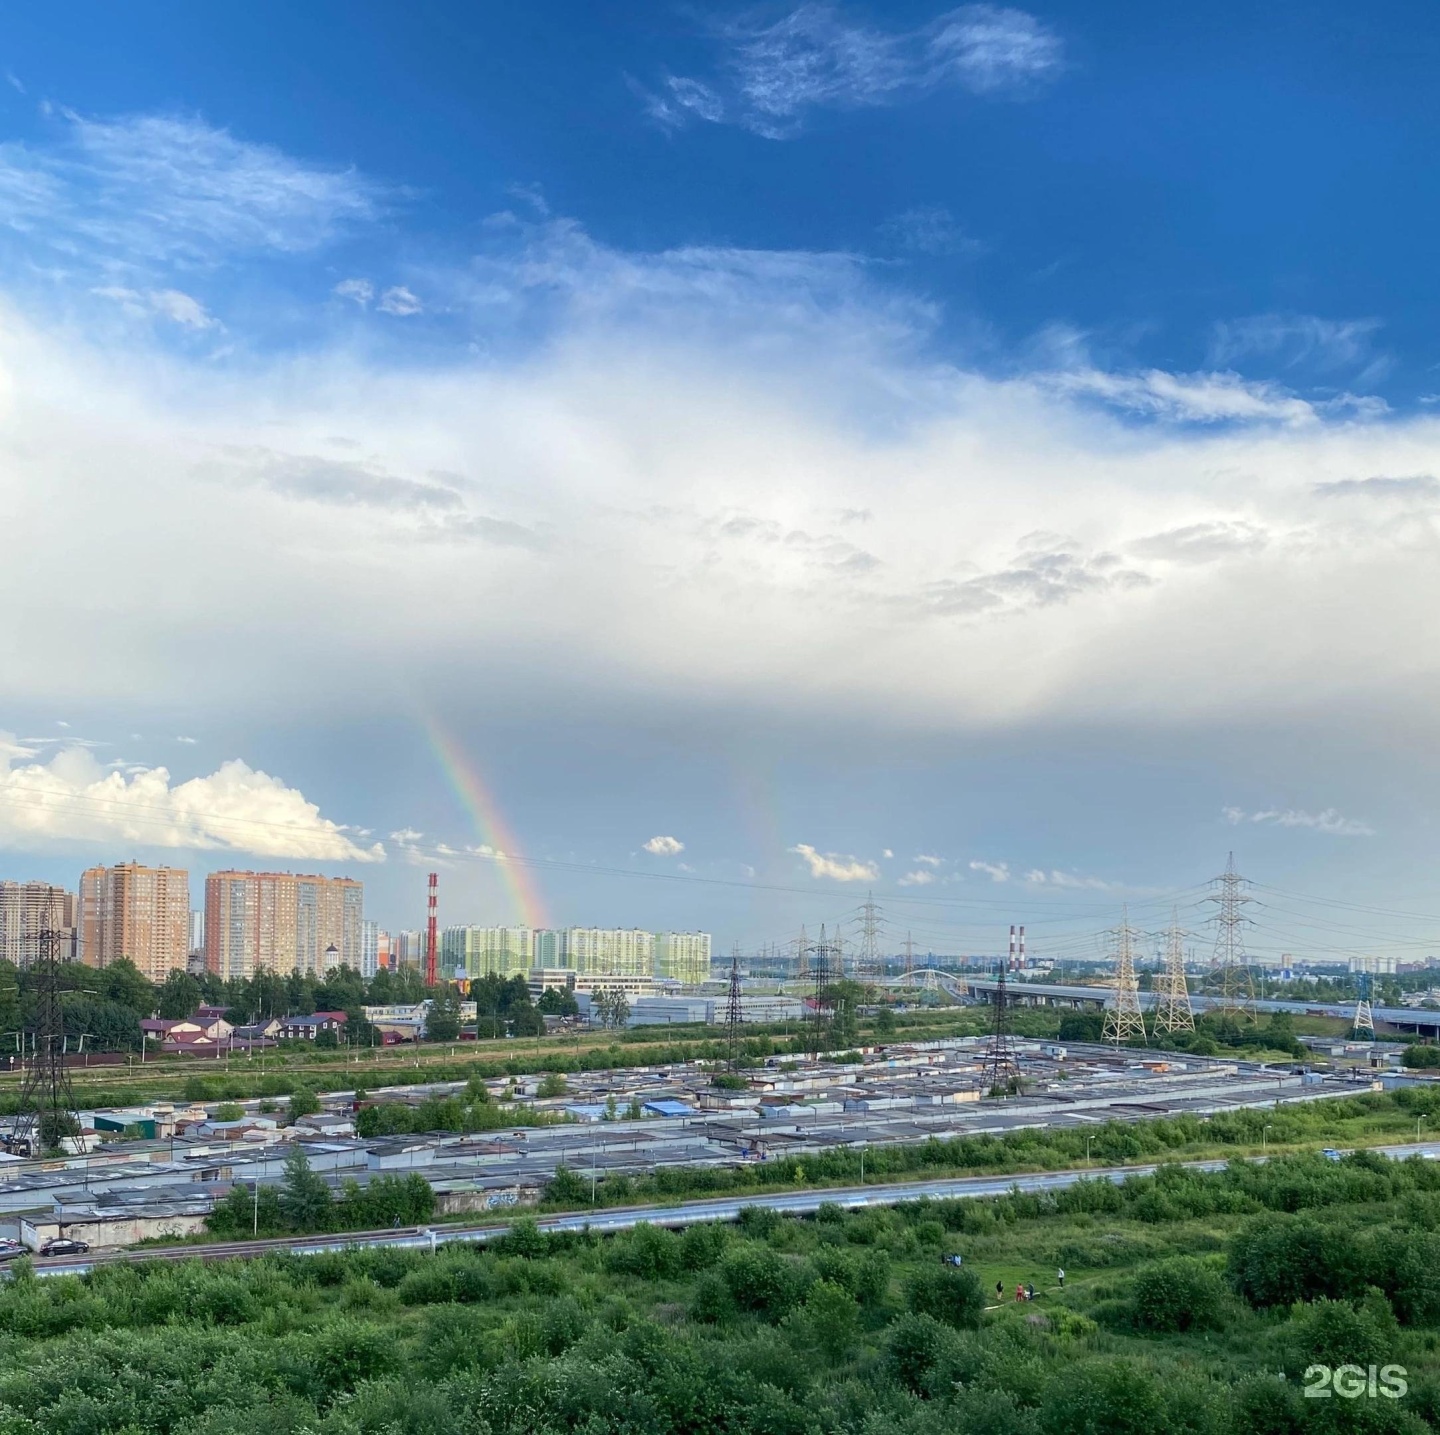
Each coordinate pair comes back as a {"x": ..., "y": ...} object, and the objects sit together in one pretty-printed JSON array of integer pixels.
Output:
[{"x": 489, "y": 822}]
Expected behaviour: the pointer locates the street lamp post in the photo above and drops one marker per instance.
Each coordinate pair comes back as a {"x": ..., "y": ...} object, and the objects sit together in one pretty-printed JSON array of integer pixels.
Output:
[
  {"x": 1264, "y": 1132},
  {"x": 1088, "y": 1140}
]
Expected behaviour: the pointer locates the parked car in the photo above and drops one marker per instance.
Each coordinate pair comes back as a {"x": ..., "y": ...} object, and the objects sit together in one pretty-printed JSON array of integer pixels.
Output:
[
  {"x": 63, "y": 1246},
  {"x": 9, "y": 1250}
]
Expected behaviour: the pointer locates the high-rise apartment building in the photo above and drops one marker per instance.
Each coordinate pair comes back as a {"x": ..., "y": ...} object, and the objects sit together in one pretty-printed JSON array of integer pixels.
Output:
[
  {"x": 142, "y": 913},
  {"x": 282, "y": 922},
  {"x": 683, "y": 956},
  {"x": 409, "y": 949},
  {"x": 486, "y": 951},
  {"x": 26, "y": 910},
  {"x": 607, "y": 951},
  {"x": 374, "y": 949}
]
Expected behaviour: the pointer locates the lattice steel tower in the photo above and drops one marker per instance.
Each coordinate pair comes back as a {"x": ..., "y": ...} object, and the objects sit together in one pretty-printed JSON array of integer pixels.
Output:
[
  {"x": 1231, "y": 981},
  {"x": 1173, "y": 1011},
  {"x": 1123, "y": 1021},
  {"x": 1001, "y": 1071},
  {"x": 824, "y": 963},
  {"x": 734, "y": 1014},
  {"x": 872, "y": 923},
  {"x": 47, "y": 1104}
]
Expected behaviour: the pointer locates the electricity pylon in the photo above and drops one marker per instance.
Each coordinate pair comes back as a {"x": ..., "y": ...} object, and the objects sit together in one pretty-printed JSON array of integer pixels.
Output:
[
  {"x": 872, "y": 923},
  {"x": 1231, "y": 981},
  {"x": 1123, "y": 1020},
  {"x": 1364, "y": 1017},
  {"x": 734, "y": 1015},
  {"x": 1172, "y": 1008},
  {"x": 802, "y": 953},
  {"x": 1001, "y": 1071},
  {"x": 909, "y": 960},
  {"x": 47, "y": 1104}
]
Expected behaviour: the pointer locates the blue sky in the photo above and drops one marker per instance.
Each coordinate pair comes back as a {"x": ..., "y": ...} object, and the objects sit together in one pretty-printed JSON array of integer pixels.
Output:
[{"x": 999, "y": 436}]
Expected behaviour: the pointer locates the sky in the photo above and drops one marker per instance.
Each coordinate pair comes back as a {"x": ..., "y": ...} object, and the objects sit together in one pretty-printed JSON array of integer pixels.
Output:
[{"x": 694, "y": 465}]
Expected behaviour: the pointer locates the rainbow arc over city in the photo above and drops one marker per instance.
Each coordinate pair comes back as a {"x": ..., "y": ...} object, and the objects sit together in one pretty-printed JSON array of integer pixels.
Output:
[{"x": 482, "y": 807}]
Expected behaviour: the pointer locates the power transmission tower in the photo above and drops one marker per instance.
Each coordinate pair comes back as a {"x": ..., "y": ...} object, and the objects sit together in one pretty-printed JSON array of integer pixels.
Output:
[
  {"x": 1001, "y": 1070},
  {"x": 1173, "y": 1011},
  {"x": 1232, "y": 983},
  {"x": 1123, "y": 1020},
  {"x": 47, "y": 1104},
  {"x": 801, "y": 944},
  {"x": 872, "y": 924},
  {"x": 1364, "y": 1017},
  {"x": 734, "y": 1015},
  {"x": 821, "y": 955},
  {"x": 909, "y": 960}
]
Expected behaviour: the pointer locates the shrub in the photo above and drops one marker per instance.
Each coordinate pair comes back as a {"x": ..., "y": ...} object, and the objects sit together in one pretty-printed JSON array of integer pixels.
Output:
[
  {"x": 1180, "y": 1294},
  {"x": 915, "y": 1347},
  {"x": 951, "y": 1296}
]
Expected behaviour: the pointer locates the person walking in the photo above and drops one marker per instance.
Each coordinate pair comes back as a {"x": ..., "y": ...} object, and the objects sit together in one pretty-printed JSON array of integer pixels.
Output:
[
  {"x": 1061, "y": 1275},
  {"x": 999, "y": 1290}
]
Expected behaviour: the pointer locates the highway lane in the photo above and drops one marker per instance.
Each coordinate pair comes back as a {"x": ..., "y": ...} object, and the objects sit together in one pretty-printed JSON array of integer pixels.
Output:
[{"x": 687, "y": 1213}]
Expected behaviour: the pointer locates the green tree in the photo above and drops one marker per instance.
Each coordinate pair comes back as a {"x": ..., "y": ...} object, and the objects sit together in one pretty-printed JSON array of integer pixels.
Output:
[
  {"x": 1180, "y": 1294},
  {"x": 443, "y": 1021},
  {"x": 123, "y": 982},
  {"x": 303, "y": 1102},
  {"x": 304, "y": 1197},
  {"x": 552, "y": 1084},
  {"x": 833, "y": 1320},
  {"x": 179, "y": 996},
  {"x": 947, "y": 1294}
]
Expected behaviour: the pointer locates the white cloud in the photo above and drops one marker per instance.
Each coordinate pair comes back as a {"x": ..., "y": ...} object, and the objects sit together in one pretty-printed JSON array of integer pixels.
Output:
[
  {"x": 664, "y": 846},
  {"x": 150, "y": 190},
  {"x": 928, "y": 859},
  {"x": 172, "y": 304},
  {"x": 1037, "y": 877},
  {"x": 835, "y": 867},
  {"x": 920, "y": 878},
  {"x": 887, "y": 854},
  {"x": 815, "y": 58},
  {"x": 929, "y": 229},
  {"x": 716, "y": 549},
  {"x": 1329, "y": 821},
  {"x": 995, "y": 871},
  {"x": 360, "y": 291},
  {"x": 72, "y": 799},
  {"x": 1296, "y": 339},
  {"x": 188, "y": 741},
  {"x": 400, "y": 301}
]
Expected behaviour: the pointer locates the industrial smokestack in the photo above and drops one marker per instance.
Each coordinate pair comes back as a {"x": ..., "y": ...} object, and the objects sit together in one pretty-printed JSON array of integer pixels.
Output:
[
  {"x": 1022, "y": 949},
  {"x": 432, "y": 933},
  {"x": 1010, "y": 960}
]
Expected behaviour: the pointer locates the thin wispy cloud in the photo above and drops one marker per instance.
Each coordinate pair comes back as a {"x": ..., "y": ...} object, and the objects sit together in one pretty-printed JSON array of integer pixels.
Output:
[
  {"x": 144, "y": 192},
  {"x": 1295, "y": 340},
  {"x": 929, "y": 229},
  {"x": 1412, "y": 486},
  {"x": 770, "y": 76},
  {"x": 1329, "y": 821},
  {"x": 919, "y": 878},
  {"x": 995, "y": 871}
]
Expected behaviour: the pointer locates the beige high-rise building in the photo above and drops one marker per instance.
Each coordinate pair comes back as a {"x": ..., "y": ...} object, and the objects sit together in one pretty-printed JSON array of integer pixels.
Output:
[
  {"x": 142, "y": 913},
  {"x": 282, "y": 922},
  {"x": 26, "y": 910},
  {"x": 684, "y": 956}
]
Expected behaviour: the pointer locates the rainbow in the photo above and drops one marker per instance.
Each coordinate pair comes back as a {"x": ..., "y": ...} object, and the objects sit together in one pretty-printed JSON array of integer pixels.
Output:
[{"x": 490, "y": 825}]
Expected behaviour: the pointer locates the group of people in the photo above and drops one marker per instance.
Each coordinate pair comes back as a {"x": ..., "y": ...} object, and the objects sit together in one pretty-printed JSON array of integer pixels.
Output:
[{"x": 1025, "y": 1291}]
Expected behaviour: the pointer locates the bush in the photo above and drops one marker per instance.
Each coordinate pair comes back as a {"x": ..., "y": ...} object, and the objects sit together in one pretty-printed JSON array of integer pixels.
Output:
[
  {"x": 1180, "y": 1294},
  {"x": 1424, "y": 1057},
  {"x": 915, "y": 1348},
  {"x": 951, "y": 1296}
]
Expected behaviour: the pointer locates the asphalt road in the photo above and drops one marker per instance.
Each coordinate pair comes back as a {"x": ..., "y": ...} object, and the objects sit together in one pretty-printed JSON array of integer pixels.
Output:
[{"x": 624, "y": 1218}]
